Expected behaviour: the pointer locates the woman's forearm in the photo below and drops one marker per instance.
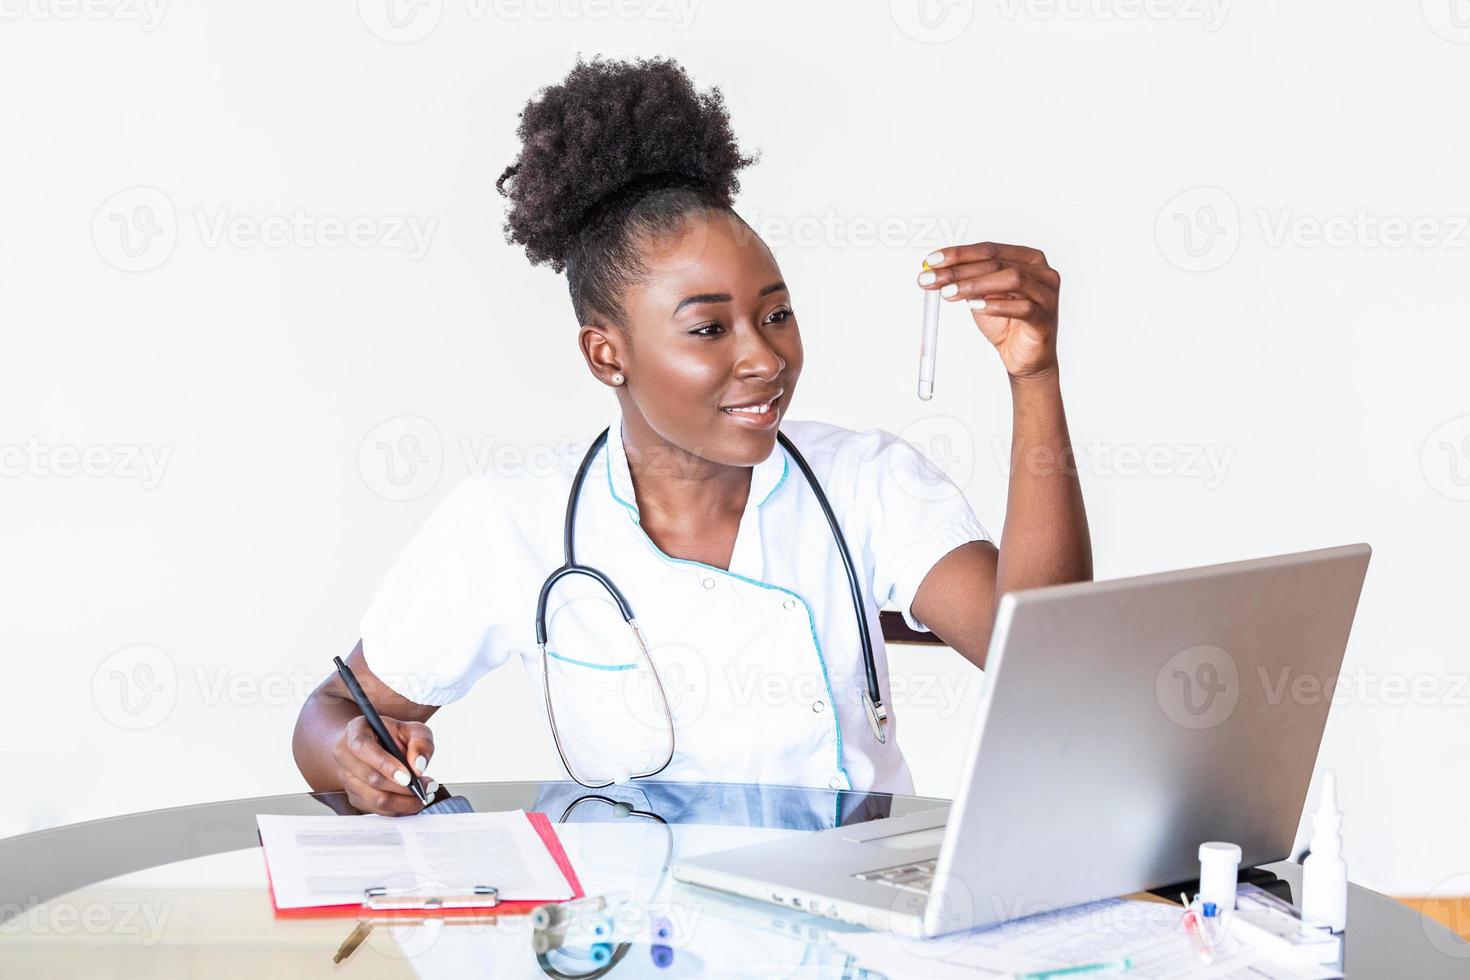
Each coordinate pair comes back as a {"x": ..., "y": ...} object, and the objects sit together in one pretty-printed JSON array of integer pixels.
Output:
[
  {"x": 1045, "y": 540},
  {"x": 320, "y": 724},
  {"x": 336, "y": 750}
]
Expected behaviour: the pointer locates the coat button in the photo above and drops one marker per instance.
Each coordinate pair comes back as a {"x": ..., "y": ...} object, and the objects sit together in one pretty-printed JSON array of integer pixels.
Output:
[
  {"x": 819, "y": 707},
  {"x": 709, "y": 583},
  {"x": 835, "y": 782},
  {"x": 789, "y": 604}
]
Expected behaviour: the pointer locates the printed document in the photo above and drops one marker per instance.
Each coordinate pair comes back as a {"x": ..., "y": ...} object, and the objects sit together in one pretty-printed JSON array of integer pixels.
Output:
[{"x": 330, "y": 860}]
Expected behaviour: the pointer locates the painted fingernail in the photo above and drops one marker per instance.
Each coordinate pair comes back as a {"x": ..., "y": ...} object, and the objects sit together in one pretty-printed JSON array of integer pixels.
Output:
[
  {"x": 926, "y": 279},
  {"x": 421, "y": 764},
  {"x": 949, "y": 290},
  {"x": 977, "y": 304},
  {"x": 401, "y": 778},
  {"x": 935, "y": 258},
  {"x": 432, "y": 788}
]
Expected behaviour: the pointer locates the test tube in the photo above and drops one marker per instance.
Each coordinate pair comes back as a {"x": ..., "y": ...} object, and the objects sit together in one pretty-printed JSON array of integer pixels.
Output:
[
  {"x": 553, "y": 914},
  {"x": 928, "y": 342}
]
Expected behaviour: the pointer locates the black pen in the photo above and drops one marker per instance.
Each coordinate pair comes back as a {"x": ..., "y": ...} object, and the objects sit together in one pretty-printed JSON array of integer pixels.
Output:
[{"x": 375, "y": 722}]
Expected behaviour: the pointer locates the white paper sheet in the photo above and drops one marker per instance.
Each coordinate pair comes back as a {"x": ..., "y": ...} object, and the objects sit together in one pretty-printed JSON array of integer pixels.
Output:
[
  {"x": 1147, "y": 933},
  {"x": 329, "y": 860}
]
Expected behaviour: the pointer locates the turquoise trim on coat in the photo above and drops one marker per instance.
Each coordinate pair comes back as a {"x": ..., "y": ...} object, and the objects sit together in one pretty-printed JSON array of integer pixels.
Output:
[
  {"x": 583, "y": 663},
  {"x": 785, "y": 468}
]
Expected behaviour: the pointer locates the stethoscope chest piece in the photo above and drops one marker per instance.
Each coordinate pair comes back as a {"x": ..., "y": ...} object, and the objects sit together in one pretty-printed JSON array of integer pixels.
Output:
[{"x": 877, "y": 718}]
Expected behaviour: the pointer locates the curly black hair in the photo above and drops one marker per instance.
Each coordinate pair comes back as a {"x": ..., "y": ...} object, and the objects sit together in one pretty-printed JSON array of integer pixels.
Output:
[{"x": 617, "y": 151}]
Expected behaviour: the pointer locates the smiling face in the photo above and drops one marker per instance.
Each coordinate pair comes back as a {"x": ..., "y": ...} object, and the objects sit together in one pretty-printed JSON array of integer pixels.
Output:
[{"x": 711, "y": 330}]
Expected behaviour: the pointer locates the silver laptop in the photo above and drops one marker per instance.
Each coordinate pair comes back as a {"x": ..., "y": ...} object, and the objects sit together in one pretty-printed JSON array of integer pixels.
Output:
[{"x": 1124, "y": 723}]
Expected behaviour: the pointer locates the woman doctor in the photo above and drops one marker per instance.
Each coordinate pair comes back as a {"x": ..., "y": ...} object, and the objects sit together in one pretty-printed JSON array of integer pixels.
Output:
[{"x": 692, "y": 507}]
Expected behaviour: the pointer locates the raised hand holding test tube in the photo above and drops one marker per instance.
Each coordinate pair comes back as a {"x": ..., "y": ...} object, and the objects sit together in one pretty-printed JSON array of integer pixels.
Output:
[{"x": 1012, "y": 293}]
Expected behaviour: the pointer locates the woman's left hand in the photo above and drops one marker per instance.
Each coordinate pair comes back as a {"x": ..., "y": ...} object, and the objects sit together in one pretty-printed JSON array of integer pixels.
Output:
[{"x": 1012, "y": 294}]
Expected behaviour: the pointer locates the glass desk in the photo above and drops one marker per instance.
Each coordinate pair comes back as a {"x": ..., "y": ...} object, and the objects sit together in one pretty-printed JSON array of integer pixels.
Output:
[{"x": 182, "y": 893}]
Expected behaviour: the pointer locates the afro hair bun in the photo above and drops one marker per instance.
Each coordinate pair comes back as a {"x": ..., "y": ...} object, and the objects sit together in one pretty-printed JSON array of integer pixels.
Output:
[{"x": 608, "y": 129}]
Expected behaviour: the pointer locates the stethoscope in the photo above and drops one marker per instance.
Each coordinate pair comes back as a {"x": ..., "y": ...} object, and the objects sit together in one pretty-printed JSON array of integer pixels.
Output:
[
  {"x": 558, "y": 963},
  {"x": 561, "y": 961},
  {"x": 872, "y": 700}
]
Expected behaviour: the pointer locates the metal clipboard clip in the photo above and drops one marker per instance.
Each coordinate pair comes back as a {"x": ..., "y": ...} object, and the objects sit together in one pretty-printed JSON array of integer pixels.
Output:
[{"x": 382, "y": 899}]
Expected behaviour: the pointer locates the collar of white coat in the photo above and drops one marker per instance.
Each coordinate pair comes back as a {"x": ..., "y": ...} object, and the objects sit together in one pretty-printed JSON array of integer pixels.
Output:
[{"x": 766, "y": 477}]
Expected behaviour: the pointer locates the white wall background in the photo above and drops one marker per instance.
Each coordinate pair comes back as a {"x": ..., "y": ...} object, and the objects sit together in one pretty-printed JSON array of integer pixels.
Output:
[{"x": 1326, "y": 380}]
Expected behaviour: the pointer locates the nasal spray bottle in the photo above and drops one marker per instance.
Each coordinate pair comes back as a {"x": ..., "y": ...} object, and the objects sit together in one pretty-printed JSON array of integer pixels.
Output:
[{"x": 1324, "y": 872}]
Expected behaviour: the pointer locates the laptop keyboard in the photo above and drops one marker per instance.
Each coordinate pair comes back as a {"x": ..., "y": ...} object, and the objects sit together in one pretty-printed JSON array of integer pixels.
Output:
[{"x": 917, "y": 877}]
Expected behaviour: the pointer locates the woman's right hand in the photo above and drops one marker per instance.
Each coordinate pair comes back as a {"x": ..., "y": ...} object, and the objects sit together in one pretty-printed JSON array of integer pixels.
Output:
[{"x": 375, "y": 781}]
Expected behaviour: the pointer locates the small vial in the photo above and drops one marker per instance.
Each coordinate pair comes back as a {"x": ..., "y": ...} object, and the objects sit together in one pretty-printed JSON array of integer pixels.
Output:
[
  {"x": 552, "y": 914},
  {"x": 928, "y": 342},
  {"x": 1219, "y": 868}
]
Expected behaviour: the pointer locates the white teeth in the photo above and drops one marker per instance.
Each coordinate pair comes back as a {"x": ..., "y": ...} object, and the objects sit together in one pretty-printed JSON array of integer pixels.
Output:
[{"x": 753, "y": 409}]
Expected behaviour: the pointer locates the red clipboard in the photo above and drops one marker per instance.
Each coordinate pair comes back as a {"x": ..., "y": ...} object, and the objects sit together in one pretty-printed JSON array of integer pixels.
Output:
[{"x": 544, "y": 830}]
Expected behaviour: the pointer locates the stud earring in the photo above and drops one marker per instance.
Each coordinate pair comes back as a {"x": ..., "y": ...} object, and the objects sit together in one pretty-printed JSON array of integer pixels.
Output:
[{"x": 618, "y": 379}]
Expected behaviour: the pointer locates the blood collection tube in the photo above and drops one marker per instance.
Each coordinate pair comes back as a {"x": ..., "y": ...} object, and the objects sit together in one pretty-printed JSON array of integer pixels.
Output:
[{"x": 928, "y": 342}]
